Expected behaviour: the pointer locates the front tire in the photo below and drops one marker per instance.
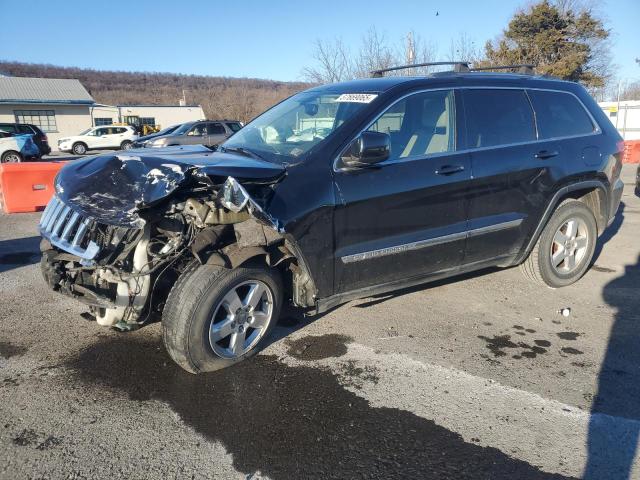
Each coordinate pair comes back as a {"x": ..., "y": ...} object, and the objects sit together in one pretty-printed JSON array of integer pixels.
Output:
[
  {"x": 565, "y": 248},
  {"x": 11, "y": 156},
  {"x": 216, "y": 317},
  {"x": 79, "y": 148}
]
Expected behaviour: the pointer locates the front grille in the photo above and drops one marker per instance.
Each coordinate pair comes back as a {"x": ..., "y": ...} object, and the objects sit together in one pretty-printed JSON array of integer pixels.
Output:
[{"x": 68, "y": 230}]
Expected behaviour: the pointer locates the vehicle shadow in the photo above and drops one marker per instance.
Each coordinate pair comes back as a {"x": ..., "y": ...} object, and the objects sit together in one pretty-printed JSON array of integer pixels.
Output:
[
  {"x": 293, "y": 319},
  {"x": 19, "y": 252},
  {"x": 614, "y": 426},
  {"x": 610, "y": 232}
]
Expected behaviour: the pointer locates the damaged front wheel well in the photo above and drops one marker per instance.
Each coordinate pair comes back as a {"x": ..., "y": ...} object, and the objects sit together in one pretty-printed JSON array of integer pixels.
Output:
[{"x": 232, "y": 246}]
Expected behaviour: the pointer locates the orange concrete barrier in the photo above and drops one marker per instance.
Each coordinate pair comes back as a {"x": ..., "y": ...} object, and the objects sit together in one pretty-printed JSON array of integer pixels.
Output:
[
  {"x": 28, "y": 186},
  {"x": 631, "y": 151}
]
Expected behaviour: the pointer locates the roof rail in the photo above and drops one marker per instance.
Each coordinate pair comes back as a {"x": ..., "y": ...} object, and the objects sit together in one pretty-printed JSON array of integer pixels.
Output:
[
  {"x": 458, "y": 67},
  {"x": 525, "y": 68}
]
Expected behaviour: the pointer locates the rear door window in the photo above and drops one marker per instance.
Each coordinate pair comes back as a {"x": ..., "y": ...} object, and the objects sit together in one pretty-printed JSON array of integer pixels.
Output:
[
  {"x": 498, "y": 117},
  {"x": 25, "y": 129},
  {"x": 215, "y": 129},
  {"x": 559, "y": 114}
]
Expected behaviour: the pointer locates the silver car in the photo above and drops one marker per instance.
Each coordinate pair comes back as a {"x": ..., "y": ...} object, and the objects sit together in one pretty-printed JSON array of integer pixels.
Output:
[{"x": 201, "y": 132}]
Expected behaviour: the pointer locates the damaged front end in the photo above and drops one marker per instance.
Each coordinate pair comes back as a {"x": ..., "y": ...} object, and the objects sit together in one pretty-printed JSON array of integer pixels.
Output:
[{"x": 121, "y": 228}]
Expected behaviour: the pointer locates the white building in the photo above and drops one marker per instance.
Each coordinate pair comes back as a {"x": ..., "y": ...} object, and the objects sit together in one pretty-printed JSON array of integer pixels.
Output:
[
  {"x": 625, "y": 116},
  {"x": 158, "y": 115},
  {"x": 63, "y": 107}
]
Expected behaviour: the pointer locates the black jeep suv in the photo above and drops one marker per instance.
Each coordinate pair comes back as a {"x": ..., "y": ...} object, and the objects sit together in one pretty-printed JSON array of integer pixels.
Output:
[{"x": 339, "y": 192}]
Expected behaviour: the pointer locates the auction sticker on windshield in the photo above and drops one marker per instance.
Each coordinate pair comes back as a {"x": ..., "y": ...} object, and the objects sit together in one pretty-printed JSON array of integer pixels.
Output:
[{"x": 356, "y": 97}]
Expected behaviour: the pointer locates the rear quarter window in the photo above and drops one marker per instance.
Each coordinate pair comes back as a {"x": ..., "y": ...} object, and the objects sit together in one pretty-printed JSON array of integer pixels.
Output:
[
  {"x": 559, "y": 114},
  {"x": 498, "y": 117}
]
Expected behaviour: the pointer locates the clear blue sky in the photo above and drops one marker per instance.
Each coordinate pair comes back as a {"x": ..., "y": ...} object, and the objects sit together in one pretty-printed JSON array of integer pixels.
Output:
[{"x": 255, "y": 38}]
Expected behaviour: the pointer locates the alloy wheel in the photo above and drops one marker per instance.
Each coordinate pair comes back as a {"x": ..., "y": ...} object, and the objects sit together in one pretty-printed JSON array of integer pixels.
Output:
[
  {"x": 240, "y": 319},
  {"x": 11, "y": 158},
  {"x": 569, "y": 246}
]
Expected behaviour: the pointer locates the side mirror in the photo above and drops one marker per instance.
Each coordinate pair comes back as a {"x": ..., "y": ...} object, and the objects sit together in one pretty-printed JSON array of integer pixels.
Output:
[{"x": 366, "y": 150}]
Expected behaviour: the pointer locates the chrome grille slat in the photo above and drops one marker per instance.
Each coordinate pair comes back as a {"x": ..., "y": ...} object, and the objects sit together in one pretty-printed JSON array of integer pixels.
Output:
[
  {"x": 70, "y": 225},
  {"x": 59, "y": 223},
  {"x": 61, "y": 219},
  {"x": 82, "y": 229},
  {"x": 54, "y": 216}
]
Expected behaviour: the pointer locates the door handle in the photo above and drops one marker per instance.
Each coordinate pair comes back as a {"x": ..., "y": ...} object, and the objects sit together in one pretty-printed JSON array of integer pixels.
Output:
[
  {"x": 449, "y": 169},
  {"x": 544, "y": 154}
]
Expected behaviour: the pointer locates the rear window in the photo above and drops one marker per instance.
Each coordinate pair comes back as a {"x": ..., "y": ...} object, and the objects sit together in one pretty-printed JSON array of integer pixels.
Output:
[
  {"x": 559, "y": 114},
  {"x": 498, "y": 117}
]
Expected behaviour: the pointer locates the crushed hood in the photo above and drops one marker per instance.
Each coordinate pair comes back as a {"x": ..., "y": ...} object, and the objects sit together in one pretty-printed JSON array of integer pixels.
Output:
[{"x": 113, "y": 188}]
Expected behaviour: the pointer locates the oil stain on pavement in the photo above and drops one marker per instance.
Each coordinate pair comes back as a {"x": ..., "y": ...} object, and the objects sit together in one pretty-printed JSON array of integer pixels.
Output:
[
  {"x": 8, "y": 350},
  {"x": 319, "y": 347},
  {"x": 293, "y": 421},
  {"x": 499, "y": 343}
]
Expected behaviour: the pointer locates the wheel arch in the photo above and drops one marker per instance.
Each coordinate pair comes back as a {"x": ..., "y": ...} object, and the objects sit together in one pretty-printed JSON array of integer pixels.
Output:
[
  {"x": 592, "y": 193},
  {"x": 275, "y": 250}
]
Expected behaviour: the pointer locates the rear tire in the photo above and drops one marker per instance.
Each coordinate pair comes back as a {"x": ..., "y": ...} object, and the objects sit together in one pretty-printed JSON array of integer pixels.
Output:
[
  {"x": 126, "y": 145},
  {"x": 204, "y": 331},
  {"x": 564, "y": 250},
  {"x": 11, "y": 156},
  {"x": 79, "y": 148}
]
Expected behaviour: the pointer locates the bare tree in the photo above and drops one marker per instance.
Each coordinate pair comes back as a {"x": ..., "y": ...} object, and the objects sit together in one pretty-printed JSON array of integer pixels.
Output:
[
  {"x": 333, "y": 62},
  {"x": 374, "y": 54},
  {"x": 464, "y": 48}
]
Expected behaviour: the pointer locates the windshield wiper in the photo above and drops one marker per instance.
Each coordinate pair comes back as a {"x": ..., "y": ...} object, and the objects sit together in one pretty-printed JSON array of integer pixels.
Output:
[{"x": 243, "y": 151}]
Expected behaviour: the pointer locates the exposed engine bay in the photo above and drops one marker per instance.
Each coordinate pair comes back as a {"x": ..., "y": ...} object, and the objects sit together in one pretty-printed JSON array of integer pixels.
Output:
[{"x": 119, "y": 240}]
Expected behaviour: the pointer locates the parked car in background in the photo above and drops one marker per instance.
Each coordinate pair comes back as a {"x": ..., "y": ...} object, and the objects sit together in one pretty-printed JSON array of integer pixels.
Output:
[
  {"x": 17, "y": 148},
  {"x": 203, "y": 132},
  {"x": 39, "y": 137},
  {"x": 110, "y": 137},
  {"x": 142, "y": 142}
]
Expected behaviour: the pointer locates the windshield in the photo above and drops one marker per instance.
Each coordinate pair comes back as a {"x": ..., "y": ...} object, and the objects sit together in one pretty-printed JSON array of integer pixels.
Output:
[
  {"x": 166, "y": 131},
  {"x": 183, "y": 128},
  {"x": 84, "y": 132},
  {"x": 294, "y": 126}
]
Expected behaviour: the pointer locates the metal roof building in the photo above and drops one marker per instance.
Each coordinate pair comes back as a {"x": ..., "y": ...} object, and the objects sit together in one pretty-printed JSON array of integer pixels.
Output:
[
  {"x": 43, "y": 90},
  {"x": 63, "y": 107}
]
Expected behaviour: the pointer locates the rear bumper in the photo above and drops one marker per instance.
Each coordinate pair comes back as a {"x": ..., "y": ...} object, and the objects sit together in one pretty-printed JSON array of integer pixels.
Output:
[{"x": 616, "y": 196}]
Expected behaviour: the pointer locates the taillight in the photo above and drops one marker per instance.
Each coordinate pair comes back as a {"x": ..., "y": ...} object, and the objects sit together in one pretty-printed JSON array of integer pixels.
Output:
[
  {"x": 620, "y": 146},
  {"x": 45, "y": 139}
]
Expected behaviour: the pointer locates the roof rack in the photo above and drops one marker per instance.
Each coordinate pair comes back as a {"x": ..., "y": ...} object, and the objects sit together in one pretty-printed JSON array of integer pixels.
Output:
[
  {"x": 525, "y": 68},
  {"x": 457, "y": 67}
]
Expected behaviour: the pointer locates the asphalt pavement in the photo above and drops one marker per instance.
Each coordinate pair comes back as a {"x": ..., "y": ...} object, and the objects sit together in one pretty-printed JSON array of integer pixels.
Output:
[{"x": 479, "y": 376}]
